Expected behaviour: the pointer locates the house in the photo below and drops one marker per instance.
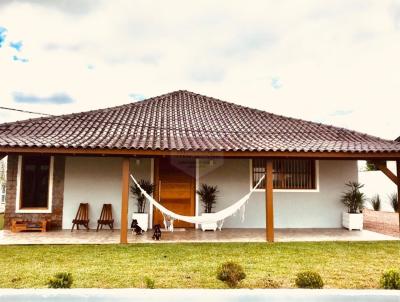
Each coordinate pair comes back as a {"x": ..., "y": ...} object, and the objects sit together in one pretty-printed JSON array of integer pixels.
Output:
[{"x": 178, "y": 141}]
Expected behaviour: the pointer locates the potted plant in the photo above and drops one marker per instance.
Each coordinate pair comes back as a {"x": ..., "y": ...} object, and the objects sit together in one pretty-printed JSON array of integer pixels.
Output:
[
  {"x": 354, "y": 200},
  {"x": 208, "y": 197},
  {"x": 140, "y": 215}
]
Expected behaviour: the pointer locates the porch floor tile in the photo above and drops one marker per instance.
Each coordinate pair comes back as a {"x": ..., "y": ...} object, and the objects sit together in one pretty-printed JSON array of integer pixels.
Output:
[{"x": 190, "y": 235}]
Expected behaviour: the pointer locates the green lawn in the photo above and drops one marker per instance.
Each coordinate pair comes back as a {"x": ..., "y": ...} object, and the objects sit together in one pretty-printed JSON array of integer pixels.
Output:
[
  {"x": 1, "y": 221},
  {"x": 342, "y": 265}
]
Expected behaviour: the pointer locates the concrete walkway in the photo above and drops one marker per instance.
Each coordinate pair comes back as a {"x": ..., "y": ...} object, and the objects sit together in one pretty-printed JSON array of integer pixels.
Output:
[
  {"x": 190, "y": 235},
  {"x": 198, "y": 295}
]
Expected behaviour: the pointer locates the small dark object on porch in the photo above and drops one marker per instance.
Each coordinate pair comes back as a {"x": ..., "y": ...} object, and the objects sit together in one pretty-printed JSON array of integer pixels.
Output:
[
  {"x": 82, "y": 217},
  {"x": 157, "y": 232},
  {"x": 135, "y": 227}
]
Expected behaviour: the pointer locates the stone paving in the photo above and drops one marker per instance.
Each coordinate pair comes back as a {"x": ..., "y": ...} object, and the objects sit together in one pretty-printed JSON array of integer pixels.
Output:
[{"x": 190, "y": 235}]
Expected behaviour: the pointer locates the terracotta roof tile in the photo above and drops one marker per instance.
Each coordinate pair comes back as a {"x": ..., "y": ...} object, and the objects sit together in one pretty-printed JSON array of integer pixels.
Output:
[{"x": 184, "y": 120}]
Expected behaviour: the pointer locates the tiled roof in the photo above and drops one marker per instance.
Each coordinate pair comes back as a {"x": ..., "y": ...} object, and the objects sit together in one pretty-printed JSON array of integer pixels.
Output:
[{"x": 184, "y": 120}]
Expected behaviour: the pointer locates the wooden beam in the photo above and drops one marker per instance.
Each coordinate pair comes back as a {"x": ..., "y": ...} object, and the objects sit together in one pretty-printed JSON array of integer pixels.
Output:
[
  {"x": 398, "y": 186},
  {"x": 381, "y": 165},
  {"x": 124, "y": 200},
  {"x": 269, "y": 203},
  {"x": 238, "y": 154}
]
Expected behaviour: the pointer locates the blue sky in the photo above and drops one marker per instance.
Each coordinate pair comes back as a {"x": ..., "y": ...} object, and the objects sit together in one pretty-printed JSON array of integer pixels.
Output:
[{"x": 335, "y": 61}]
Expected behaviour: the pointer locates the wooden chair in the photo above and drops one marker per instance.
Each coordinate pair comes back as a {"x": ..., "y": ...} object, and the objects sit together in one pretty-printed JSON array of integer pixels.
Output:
[
  {"x": 82, "y": 217},
  {"x": 105, "y": 217}
]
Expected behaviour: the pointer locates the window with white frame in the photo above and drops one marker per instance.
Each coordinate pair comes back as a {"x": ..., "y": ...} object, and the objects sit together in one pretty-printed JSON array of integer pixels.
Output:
[
  {"x": 288, "y": 174},
  {"x": 34, "y": 183}
]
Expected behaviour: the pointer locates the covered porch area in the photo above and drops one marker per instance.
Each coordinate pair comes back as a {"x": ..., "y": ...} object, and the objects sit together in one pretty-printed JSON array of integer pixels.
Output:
[{"x": 190, "y": 236}]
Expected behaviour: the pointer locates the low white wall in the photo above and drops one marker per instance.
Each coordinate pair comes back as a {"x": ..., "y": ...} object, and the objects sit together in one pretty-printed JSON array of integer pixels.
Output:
[
  {"x": 375, "y": 182},
  {"x": 97, "y": 180},
  {"x": 291, "y": 209}
]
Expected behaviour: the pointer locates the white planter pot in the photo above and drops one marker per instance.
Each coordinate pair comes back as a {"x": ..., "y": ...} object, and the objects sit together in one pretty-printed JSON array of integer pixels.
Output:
[
  {"x": 209, "y": 226},
  {"x": 352, "y": 221},
  {"x": 142, "y": 219}
]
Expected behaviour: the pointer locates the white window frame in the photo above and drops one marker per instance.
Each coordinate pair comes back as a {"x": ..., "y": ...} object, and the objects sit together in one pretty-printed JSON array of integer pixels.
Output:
[
  {"x": 18, "y": 193},
  {"x": 316, "y": 190}
]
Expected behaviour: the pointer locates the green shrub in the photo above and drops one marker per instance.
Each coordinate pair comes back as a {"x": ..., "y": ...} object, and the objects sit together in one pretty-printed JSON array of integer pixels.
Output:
[
  {"x": 269, "y": 282},
  {"x": 376, "y": 202},
  {"x": 390, "y": 279},
  {"x": 150, "y": 283},
  {"x": 231, "y": 273},
  {"x": 309, "y": 279},
  {"x": 394, "y": 202},
  {"x": 60, "y": 280}
]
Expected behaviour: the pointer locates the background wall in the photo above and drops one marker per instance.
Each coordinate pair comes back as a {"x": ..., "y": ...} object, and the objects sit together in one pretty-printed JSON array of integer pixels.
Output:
[
  {"x": 375, "y": 182},
  {"x": 97, "y": 180},
  {"x": 292, "y": 209}
]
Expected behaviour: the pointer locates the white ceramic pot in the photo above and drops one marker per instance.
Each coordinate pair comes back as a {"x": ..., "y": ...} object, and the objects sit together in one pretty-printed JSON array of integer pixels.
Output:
[
  {"x": 352, "y": 221},
  {"x": 142, "y": 219},
  {"x": 209, "y": 226}
]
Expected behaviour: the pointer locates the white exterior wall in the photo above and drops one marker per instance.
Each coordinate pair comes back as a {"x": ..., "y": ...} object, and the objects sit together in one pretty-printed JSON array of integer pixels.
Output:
[
  {"x": 97, "y": 180},
  {"x": 321, "y": 209}
]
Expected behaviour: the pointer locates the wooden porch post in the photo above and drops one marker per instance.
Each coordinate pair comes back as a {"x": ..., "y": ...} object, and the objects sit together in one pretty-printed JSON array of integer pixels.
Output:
[
  {"x": 124, "y": 200},
  {"x": 269, "y": 204},
  {"x": 398, "y": 186}
]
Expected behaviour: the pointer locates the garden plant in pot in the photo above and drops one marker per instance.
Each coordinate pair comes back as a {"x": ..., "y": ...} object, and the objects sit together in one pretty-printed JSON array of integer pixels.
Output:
[
  {"x": 208, "y": 197},
  {"x": 140, "y": 215},
  {"x": 354, "y": 200}
]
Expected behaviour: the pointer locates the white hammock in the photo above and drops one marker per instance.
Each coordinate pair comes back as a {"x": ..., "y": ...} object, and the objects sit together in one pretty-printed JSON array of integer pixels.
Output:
[{"x": 217, "y": 217}]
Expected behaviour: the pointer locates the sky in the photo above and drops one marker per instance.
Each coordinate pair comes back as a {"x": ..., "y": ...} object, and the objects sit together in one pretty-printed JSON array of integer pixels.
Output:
[{"x": 335, "y": 62}]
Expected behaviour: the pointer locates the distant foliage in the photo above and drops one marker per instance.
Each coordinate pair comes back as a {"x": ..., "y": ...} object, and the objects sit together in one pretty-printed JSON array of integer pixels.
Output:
[
  {"x": 390, "y": 279},
  {"x": 309, "y": 279},
  {"x": 231, "y": 273},
  {"x": 376, "y": 202},
  {"x": 150, "y": 283},
  {"x": 369, "y": 166},
  {"x": 353, "y": 198},
  {"x": 394, "y": 201},
  {"x": 60, "y": 280}
]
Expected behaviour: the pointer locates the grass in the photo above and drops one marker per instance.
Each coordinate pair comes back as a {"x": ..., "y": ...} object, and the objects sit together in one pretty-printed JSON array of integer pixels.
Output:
[
  {"x": 1, "y": 221},
  {"x": 341, "y": 264}
]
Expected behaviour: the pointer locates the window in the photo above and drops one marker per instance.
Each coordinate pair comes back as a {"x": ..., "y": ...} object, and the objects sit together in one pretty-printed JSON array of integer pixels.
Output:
[
  {"x": 289, "y": 174},
  {"x": 34, "y": 183}
]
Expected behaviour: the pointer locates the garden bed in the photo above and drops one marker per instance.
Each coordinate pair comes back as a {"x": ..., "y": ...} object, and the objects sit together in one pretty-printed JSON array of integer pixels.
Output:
[{"x": 382, "y": 222}]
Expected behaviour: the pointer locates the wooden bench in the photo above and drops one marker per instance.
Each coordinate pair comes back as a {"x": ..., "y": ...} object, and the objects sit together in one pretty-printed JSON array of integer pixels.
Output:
[{"x": 24, "y": 225}]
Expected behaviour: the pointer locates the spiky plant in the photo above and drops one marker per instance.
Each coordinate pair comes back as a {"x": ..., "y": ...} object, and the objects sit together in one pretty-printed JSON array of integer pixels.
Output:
[
  {"x": 394, "y": 201},
  {"x": 376, "y": 202},
  {"x": 141, "y": 199},
  {"x": 353, "y": 198},
  {"x": 208, "y": 196}
]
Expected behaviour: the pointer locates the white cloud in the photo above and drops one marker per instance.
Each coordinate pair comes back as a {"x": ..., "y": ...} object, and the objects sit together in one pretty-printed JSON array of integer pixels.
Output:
[{"x": 328, "y": 57}]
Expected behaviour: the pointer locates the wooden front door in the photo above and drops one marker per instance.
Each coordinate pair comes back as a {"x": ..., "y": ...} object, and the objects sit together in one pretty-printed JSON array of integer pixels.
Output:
[{"x": 176, "y": 188}]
